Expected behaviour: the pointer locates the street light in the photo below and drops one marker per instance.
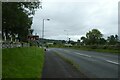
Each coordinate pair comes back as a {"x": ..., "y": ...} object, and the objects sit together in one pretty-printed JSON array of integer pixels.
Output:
[
  {"x": 66, "y": 35},
  {"x": 43, "y": 29}
]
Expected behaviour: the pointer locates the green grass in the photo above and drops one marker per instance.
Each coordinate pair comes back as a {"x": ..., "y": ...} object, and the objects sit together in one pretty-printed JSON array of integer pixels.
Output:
[
  {"x": 69, "y": 61},
  {"x": 0, "y": 63},
  {"x": 90, "y": 49},
  {"x": 99, "y": 50},
  {"x": 22, "y": 62}
]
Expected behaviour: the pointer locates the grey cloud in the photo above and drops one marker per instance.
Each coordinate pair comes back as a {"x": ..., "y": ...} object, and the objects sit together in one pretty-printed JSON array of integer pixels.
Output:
[{"x": 76, "y": 17}]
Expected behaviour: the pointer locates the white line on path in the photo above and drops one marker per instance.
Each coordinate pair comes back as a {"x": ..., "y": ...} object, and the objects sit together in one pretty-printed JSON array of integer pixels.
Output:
[
  {"x": 112, "y": 62},
  {"x": 84, "y": 55}
]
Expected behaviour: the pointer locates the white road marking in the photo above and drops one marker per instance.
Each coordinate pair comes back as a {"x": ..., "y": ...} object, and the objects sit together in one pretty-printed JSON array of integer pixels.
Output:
[
  {"x": 112, "y": 62},
  {"x": 84, "y": 55}
]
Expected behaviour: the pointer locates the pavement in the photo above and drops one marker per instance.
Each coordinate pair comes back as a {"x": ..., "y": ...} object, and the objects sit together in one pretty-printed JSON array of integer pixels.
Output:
[{"x": 91, "y": 64}]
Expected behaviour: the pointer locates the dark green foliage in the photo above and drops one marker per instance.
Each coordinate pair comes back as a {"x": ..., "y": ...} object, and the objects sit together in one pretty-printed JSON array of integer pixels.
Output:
[
  {"x": 102, "y": 41},
  {"x": 112, "y": 40},
  {"x": 17, "y": 18},
  {"x": 93, "y": 36},
  {"x": 63, "y": 41},
  {"x": 94, "y": 40}
]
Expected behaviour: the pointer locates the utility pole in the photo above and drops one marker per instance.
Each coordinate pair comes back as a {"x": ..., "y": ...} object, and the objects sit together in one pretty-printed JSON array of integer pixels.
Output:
[
  {"x": 43, "y": 31},
  {"x": 66, "y": 35}
]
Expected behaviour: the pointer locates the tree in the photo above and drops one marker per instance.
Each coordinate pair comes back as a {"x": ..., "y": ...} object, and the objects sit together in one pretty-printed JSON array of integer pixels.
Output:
[
  {"x": 112, "y": 40},
  {"x": 78, "y": 41},
  {"x": 83, "y": 40},
  {"x": 102, "y": 41},
  {"x": 63, "y": 41},
  {"x": 93, "y": 36},
  {"x": 69, "y": 41},
  {"x": 17, "y": 17},
  {"x": 31, "y": 31},
  {"x": 116, "y": 38}
]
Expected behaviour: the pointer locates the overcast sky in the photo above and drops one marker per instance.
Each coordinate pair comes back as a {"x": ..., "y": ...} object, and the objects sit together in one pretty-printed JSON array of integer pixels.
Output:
[{"x": 73, "y": 18}]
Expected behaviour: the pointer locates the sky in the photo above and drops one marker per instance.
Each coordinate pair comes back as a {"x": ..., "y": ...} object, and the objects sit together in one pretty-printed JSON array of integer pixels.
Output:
[{"x": 74, "y": 18}]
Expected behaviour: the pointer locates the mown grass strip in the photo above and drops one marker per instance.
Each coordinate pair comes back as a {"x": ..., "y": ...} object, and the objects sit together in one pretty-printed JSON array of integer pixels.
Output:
[
  {"x": 75, "y": 65},
  {"x": 100, "y": 50},
  {"x": 22, "y": 62},
  {"x": 113, "y": 51}
]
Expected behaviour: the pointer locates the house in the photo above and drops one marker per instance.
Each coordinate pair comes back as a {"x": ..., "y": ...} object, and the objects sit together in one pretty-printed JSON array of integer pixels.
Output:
[{"x": 32, "y": 37}]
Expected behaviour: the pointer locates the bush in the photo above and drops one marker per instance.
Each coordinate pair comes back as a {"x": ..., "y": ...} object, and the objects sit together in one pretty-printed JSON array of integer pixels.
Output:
[{"x": 93, "y": 46}]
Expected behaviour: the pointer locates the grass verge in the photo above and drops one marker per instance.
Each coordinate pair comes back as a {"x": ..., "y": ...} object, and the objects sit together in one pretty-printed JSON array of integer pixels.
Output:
[
  {"x": 113, "y": 51},
  {"x": 76, "y": 66},
  {"x": 22, "y": 62},
  {"x": 99, "y": 50}
]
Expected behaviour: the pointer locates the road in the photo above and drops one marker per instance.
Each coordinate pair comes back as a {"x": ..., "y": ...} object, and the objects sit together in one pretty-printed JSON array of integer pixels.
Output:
[
  {"x": 55, "y": 67},
  {"x": 91, "y": 64}
]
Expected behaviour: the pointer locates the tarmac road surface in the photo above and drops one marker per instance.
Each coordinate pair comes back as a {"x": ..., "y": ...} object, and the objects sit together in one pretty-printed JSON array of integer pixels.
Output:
[{"x": 91, "y": 64}]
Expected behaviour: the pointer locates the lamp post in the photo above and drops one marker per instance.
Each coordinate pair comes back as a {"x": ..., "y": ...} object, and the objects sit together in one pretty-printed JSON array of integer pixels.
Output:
[
  {"x": 66, "y": 35},
  {"x": 43, "y": 29}
]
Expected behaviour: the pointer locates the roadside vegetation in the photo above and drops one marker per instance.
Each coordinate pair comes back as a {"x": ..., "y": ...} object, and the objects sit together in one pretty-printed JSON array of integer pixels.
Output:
[
  {"x": 71, "y": 62},
  {"x": 17, "y": 19},
  {"x": 93, "y": 41},
  {"x": 89, "y": 48},
  {"x": 76, "y": 66},
  {"x": 22, "y": 62}
]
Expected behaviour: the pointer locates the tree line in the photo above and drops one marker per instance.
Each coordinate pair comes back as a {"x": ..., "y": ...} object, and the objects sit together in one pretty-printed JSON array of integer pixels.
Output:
[
  {"x": 17, "y": 18},
  {"x": 95, "y": 37}
]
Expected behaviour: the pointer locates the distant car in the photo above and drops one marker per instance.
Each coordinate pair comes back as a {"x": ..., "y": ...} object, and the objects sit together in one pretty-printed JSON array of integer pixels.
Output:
[{"x": 69, "y": 45}]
